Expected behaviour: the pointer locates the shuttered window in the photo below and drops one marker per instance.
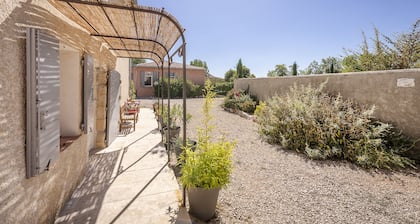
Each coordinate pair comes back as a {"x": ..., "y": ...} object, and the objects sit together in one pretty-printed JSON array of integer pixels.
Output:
[
  {"x": 113, "y": 106},
  {"x": 88, "y": 100},
  {"x": 148, "y": 79},
  {"x": 42, "y": 101}
]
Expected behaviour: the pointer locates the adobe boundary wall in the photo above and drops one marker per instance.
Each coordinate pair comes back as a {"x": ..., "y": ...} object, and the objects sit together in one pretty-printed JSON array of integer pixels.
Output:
[{"x": 395, "y": 93}]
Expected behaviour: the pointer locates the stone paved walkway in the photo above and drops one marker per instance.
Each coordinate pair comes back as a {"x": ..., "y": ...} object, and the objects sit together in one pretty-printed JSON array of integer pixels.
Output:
[{"x": 127, "y": 182}]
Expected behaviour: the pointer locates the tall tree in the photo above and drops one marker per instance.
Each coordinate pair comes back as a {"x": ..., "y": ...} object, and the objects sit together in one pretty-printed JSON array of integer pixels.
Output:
[
  {"x": 239, "y": 69},
  {"x": 200, "y": 63},
  {"x": 294, "y": 69},
  {"x": 279, "y": 70}
]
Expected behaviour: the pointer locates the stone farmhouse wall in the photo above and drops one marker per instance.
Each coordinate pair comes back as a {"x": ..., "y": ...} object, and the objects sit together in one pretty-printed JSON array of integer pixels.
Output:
[{"x": 38, "y": 199}]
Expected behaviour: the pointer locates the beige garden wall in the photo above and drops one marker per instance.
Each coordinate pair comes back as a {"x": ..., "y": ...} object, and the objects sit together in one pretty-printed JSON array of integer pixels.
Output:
[{"x": 396, "y": 93}]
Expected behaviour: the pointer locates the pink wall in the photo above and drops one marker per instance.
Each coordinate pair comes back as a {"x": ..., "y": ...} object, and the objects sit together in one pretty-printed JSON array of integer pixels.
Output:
[{"x": 196, "y": 76}]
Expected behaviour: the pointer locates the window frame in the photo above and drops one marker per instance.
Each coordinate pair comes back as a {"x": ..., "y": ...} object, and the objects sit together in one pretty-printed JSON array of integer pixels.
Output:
[{"x": 146, "y": 76}]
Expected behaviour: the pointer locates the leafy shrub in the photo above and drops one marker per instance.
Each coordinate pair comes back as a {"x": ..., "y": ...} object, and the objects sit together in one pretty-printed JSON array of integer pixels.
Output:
[
  {"x": 321, "y": 126},
  {"x": 210, "y": 165},
  {"x": 176, "y": 88},
  {"x": 239, "y": 100},
  {"x": 222, "y": 88}
]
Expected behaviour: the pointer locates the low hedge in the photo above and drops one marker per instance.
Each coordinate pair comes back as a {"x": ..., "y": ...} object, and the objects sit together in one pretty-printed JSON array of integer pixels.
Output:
[{"x": 176, "y": 88}]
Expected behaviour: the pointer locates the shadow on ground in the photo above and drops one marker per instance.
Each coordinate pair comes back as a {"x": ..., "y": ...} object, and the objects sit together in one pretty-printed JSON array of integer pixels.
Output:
[{"x": 86, "y": 202}]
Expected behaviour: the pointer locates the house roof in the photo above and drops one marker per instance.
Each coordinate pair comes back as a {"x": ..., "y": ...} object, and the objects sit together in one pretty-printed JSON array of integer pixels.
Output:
[
  {"x": 173, "y": 65},
  {"x": 128, "y": 30}
]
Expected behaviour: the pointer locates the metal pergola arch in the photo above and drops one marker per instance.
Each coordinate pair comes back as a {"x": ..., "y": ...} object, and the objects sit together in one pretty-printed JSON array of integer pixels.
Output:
[{"x": 155, "y": 33}]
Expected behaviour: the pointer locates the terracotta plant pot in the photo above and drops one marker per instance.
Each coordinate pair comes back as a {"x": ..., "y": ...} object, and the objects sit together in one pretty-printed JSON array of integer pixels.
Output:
[{"x": 203, "y": 202}]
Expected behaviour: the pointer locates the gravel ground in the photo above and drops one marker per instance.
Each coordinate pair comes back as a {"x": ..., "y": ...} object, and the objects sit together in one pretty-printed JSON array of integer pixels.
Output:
[{"x": 272, "y": 185}]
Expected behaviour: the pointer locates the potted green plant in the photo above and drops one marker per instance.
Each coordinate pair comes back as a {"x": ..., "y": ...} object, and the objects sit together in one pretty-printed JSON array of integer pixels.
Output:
[
  {"x": 176, "y": 116},
  {"x": 207, "y": 169}
]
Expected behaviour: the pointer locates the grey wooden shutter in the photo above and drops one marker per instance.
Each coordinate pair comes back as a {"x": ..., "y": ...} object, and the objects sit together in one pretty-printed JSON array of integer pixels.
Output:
[
  {"x": 113, "y": 107},
  {"x": 142, "y": 74},
  {"x": 42, "y": 101},
  {"x": 155, "y": 78},
  {"x": 88, "y": 100}
]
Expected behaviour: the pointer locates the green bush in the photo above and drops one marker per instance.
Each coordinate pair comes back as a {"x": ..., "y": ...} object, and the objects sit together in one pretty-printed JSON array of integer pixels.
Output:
[
  {"x": 222, "y": 88},
  {"x": 321, "y": 126},
  {"x": 240, "y": 100},
  {"x": 210, "y": 164},
  {"x": 176, "y": 88}
]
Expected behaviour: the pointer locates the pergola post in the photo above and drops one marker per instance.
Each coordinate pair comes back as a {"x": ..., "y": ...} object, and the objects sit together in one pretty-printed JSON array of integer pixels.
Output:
[
  {"x": 160, "y": 96},
  {"x": 169, "y": 106},
  {"x": 184, "y": 105}
]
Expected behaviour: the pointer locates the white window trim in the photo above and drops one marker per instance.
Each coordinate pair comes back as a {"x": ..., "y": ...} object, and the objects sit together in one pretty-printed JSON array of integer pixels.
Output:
[{"x": 146, "y": 76}]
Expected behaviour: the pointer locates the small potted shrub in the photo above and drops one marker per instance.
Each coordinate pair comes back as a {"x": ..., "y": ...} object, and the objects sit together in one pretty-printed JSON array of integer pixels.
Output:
[
  {"x": 207, "y": 169},
  {"x": 176, "y": 117}
]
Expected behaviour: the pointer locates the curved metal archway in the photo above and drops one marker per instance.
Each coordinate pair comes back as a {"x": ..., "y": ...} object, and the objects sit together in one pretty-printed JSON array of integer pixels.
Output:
[{"x": 126, "y": 32}]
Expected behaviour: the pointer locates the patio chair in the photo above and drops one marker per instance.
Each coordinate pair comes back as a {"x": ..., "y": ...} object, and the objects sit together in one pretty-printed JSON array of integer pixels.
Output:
[{"x": 128, "y": 118}]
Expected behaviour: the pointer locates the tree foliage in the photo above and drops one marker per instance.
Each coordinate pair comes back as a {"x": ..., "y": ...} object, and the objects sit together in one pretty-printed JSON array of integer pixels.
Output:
[
  {"x": 247, "y": 72},
  {"x": 405, "y": 49},
  {"x": 398, "y": 52},
  {"x": 327, "y": 65},
  {"x": 331, "y": 65},
  {"x": 279, "y": 70},
  {"x": 230, "y": 75},
  {"x": 313, "y": 68},
  {"x": 240, "y": 71},
  {"x": 200, "y": 63},
  {"x": 136, "y": 61}
]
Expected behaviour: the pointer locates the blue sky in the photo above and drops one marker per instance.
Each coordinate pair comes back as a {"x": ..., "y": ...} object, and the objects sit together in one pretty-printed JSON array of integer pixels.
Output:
[{"x": 268, "y": 32}]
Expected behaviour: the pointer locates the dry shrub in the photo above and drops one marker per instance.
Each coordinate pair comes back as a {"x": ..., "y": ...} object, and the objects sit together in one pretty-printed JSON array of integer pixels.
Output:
[{"x": 326, "y": 127}]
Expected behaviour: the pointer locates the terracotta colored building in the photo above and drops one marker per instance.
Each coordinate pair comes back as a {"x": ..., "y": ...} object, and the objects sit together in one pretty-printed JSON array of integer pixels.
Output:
[{"x": 144, "y": 75}]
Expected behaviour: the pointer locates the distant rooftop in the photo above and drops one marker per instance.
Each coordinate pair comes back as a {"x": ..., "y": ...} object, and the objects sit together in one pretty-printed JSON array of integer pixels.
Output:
[{"x": 173, "y": 65}]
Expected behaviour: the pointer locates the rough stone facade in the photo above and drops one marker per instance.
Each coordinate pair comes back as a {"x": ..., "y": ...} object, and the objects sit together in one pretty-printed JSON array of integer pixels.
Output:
[
  {"x": 37, "y": 199},
  {"x": 395, "y": 93},
  {"x": 101, "y": 93}
]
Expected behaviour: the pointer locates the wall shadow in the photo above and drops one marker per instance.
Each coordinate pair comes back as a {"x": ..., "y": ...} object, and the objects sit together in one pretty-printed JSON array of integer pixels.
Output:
[{"x": 87, "y": 200}]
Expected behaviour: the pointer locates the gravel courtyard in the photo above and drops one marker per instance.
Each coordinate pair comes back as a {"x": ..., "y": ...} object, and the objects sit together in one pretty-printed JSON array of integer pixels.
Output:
[{"x": 271, "y": 185}]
